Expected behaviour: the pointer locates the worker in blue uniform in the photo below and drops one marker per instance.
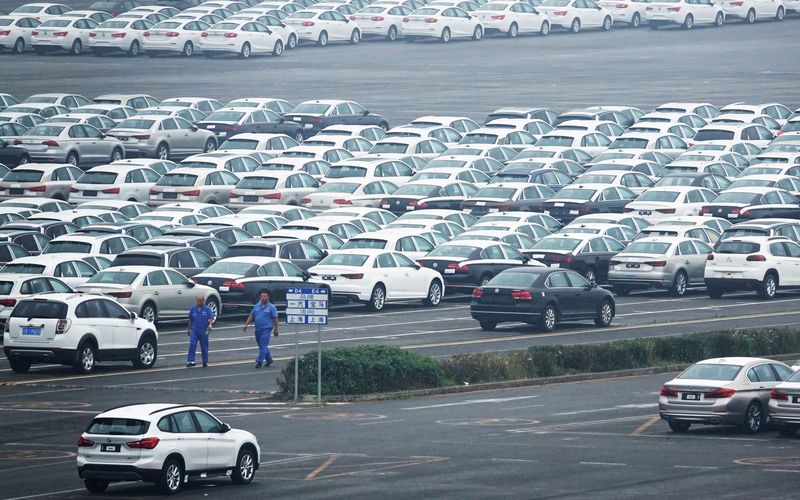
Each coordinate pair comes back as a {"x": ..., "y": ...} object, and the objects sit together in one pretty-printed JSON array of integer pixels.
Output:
[
  {"x": 201, "y": 318},
  {"x": 265, "y": 316}
]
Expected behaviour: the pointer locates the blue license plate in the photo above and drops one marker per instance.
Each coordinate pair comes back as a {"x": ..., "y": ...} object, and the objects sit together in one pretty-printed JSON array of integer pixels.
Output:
[{"x": 31, "y": 330}]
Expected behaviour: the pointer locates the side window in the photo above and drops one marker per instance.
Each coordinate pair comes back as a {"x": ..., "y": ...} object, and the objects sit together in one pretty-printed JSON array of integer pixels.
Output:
[
  {"x": 57, "y": 286},
  {"x": 558, "y": 280},
  {"x": 403, "y": 261},
  {"x": 206, "y": 422},
  {"x": 781, "y": 371},
  {"x": 406, "y": 245},
  {"x": 201, "y": 259},
  {"x": 293, "y": 271},
  {"x": 157, "y": 278},
  {"x": 494, "y": 252},
  {"x": 764, "y": 373},
  {"x": 66, "y": 270},
  {"x": 686, "y": 248},
  {"x": 90, "y": 309},
  {"x": 115, "y": 310},
  {"x": 84, "y": 269},
  {"x": 598, "y": 245},
  {"x": 385, "y": 260},
  {"x": 184, "y": 422},
  {"x": 165, "y": 424},
  {"x": 778, "y": 250}
]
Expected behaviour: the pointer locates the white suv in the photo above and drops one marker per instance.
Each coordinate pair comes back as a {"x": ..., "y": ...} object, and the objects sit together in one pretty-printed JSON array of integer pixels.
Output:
[
  {"x": 755, "y": 263},
  {"x": 78, "y": 330},
  {"x": 165, "y": 444}
]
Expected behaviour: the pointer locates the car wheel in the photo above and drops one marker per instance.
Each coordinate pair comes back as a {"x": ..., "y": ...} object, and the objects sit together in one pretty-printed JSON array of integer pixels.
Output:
[
  {"x": 146, "y": 353},
  {"x": 679, "y": 425},
  {"x": 19, "y": 46},
  {"x": 768, "y": 287},
  {"x": 211, "y": 145},
  {"x": 162, "y": 151},
  {"x": 171, "y": 478},
  {"x": 291, "y": 42},
  {"x": 245, "y": 52},
  {"x": 95, "y": 485},
  {"x": 477, "y": 34},
  {"x": 679, "y": 284},
  {"x": 719, "y": 20},
  {"x": 384, "y": 126},
  {"x": 86, "y": 358},
  {"x": 604, "y": 315},
  {"x": 787, "y": 430},
  {"x": 488, "y": 325},
  {"x": 278, "y": 49},
  {"x": 188, "y": 49},
  {"x": 750, "y": 18},
  {"x": 135, "y": 49},
  {"x": 636, "y": 20},
  {"x": 24, "y": 159},
  {"x": 245, "y": 467},
  {"x": 149, "y": 312},
  {"x": 322, "y": 41},
  {"x": 445, "y": 36},
  {"x": 299, "y": 137},
  {"x": 607, "y": 23},
  {"x": 72, "y": 158},
  {"x": 484, "y": 279},
  {"x": 548, "y": 320},
  {"x": 621, "y": 290},
  {"x": 392, "y": 34},
  {"x": 575, "y": 26},
  {"x": 355, "y": 37},
  {"x": 688, "y": 23},
  {"x": 753, "y": 418},
  {"x": 714, "y": 292},
  {"x": 513, "y": 31},
  {"x": 77, "y": 48},
  {"x": 19, "y": 365},
  {"x": 213, "y": 305},
  {"x": 377, "y": 299},
  {"x": 544, "y": 29},
  {"x": 116, "y": 155},
  {"x": 434, "y": 297},
  {"x": 590, "y": 275},
  {"x": 780, "y": 14}
]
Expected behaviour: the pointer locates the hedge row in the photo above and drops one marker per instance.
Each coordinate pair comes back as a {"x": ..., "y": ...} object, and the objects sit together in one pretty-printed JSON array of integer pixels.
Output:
[{"x": 377, "y": 369}]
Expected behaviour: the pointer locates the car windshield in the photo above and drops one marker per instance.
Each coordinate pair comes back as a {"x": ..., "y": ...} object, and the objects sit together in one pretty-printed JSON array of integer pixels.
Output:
[
  {"x": 309, "y": 108},
  {"x": 761, "y": 171},
  {"x": 136, "y": 123},
  {"x": 389, "y": 147},
  {"x": 555, "y": 3},
  {"x": 22, "y": 268},
  {"x": 135, "y": 259},
  {"x": 736, "y": 197},
  {"x": 558, "y": 243},
  {"x": 595, "y": 179},
  {"x": 198, "y": 164},
  {"x": 463, "y": 251},
  {"x": 177, "y": 180},
  {"x": 235, "y": 268},
  {"x": 365, "y": 243},
  {"x": 479, "y": 138},
  {"x": 703, "y": 371},
  {"x": 247, "y": 144},
  {"x": 494, "y": 7},
  {"x": 23, "y": 175},
  {"x": 257, "y": 183},
  {"x": 344, "y": 259},
  {"x": 629, "y": 143},
  {"x": 224, "y": 116},
  {"x": 647, "y": 247},
  {"x": 575, "y": 194},
  {"x": 338, "y": 187},
  {"x": 98, "y": 178},
  {"x": 47, "y": 130},
  {"x": 666, "y": 196},
  {"x": 741, "y": 231},
  {"x": 495, "y": 192},
  {"x": 714, "y": 135},
  {"x": 440, "y": 163},
  {"x": 68, "y": 247},
  {"x": 737, "y": 247},
  {"x": 346, "y": 171},
  {"x": 114, "y": 277},
  {"x": 513, "y": 280},
  {"x": 40, "y": 309},
  {"x": 555, "y": 140},
  {"x": 27, "y": 9},
  {"x": 745, "y": 182},
  {"x": 675, "y": 180},
  {"x": 118, "y": 427}
]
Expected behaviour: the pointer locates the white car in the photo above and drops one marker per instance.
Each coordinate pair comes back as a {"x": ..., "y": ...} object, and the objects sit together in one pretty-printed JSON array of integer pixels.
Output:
[
  {"x": 403, "y": 240},
  {"x": 576, "y": 15},
  {"x": 174, "y": 36},
  {"x": 637, "y": 182},
  {"x": 321, "y": 27},
  {"x": 762, "y": 263},
  {"x": 591, "y": 142},
  {"x": 40, "y": 11},
  {"x": 376, "y": 277},
  {"x": 62, "y": 33},
  {"x": 512, "y": 18},
  {"x": 72, "y": 329},
  {"x": 241, "y": 37},
  {"x": 684, "y": 13},
  {"x": 15, "y": 33},
  {"x": 751, "y": 10},
  {"x": 394, "y": 171},
  {"x": 382, "y": 20},
  {"x": 264, "y": 187},
  {"x": 669, "y": 144},
  {"x": 119, "y": 35},
  {"x": 70, "y": 268},
  {"x": 205, "y": 185},
  {"x": 358, "y": 146},
  {"x": 286, "y": 33},
  {"x": 161, "y": 443},
  {"x": 443, "y": 23},
  {"x": 630, "y": 12},
  {"x": 126, "y": 182},
  {"x": 355, "y": 192},
  {"x": 660, "y": 202},
  {"x": 14, "y": 288}
]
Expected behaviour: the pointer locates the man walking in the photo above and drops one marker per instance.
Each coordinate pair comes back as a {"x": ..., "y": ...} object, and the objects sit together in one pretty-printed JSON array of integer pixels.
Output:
[
  {"x": 265, "y": 315},
  {"x": 201, "y": 318}
]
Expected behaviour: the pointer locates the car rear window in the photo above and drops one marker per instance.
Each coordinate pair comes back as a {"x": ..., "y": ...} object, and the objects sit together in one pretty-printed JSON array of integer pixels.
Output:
[
  {"x": 22, "y": 268},
  {"x": 257, "y": 183},
  {"x": 118, "y": 426},
  {"x": 516, "y": 280},
  {"x": 714, "y": 135},
  {"x": 98, "y": 178},
  {"x": 68, "y": 247},
  {"x": 40, "y": 309},
  {"x": 702, "y": 371},
  {"x": 250, "y": 250},
  {"x": 5, "y": 287},
  {"x": 138, "y": 260},
  {"x": 738, "y": 247},
  {"x": 365, "y": 243},
  {"x": 22, "y": 175},
  {"x": 115, "y": 277}
]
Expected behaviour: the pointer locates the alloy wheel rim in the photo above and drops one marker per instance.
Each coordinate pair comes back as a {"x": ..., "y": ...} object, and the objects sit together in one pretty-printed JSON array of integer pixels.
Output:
[
  {"x": 147, "y": 353},
  {"x": 88, "y": 358},
  {"x": 435, "y": 294},
  {"x": 213, "y": 306},
  {"x": 681, "y": 284},
  {"x": 590, "y": 276},
  {"x": 771, "y": 287},
  {"x": 378, "y": 298},
  {"x": 173, "y": 477},
  {"x": 246, "y": 467},
  {"x": 187, "y": 50},
  {"x": 754, "y": 417},
  {"x": 149, "y": 314},
  {"x": 606, "y": 313},
  {"x": 550, "y": 318},
  {"x": 292, "y": 42}
]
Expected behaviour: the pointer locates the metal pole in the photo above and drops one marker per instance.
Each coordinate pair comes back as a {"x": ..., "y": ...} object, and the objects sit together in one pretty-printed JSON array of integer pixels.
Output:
[
  {"x": 319, "y": 362},
  {"x": 296, "y": 362}
]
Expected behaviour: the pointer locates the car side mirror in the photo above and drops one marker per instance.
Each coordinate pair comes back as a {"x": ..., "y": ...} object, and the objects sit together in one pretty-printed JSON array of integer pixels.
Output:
[
  {"x": 525, "y": 259},
  {"x": 224, "y": 428},
  {"x": 190, "y": 284},
  {"x": 134, "y": 317},
  {"x": 591, "y": 285},
  {"x": 324, "y": 253},
  {"x": 417, "y": 266},
  {"x": 194, "y": 129},
  {"x": 365, "y": 112},
  {"x": 306, "y": 276}
]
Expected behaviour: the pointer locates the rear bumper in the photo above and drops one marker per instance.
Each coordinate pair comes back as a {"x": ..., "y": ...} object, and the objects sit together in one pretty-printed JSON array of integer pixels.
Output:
[
  {"x": 732, "y": 283},
  {"x": 502, "y": 313},
  {"x": 118, "y": 473},
  {"x": 41, "y": 355},
  {"x": 784, "y": 418}
]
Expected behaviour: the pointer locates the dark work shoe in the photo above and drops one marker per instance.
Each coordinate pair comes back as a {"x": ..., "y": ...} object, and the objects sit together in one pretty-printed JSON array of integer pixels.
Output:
[
  {"x": 189, "y": 365},
  {"x": 258, "y": 364},
  {"x": 205, "y": 365},
  {"x": 269, "y": 363}
]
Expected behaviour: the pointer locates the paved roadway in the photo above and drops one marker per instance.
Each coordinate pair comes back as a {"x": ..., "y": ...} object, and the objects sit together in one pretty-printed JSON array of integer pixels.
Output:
[{"x": 634, "y": 67}]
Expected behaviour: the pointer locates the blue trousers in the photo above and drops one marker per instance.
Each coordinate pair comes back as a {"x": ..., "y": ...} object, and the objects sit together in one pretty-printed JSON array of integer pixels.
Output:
[
  {"x": 262, "y": 339},
  {"x": 202, "y": 338}
]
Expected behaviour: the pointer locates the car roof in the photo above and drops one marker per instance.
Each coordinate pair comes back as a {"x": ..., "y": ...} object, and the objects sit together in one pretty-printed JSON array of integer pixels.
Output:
[
  {"x": 737, "y": 361},
  {"x": 140, "y": 411}
]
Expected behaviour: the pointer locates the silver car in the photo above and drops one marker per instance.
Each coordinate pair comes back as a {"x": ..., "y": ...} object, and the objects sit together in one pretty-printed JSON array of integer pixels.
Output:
[
  {"x": 74, "y": 144},
  {"x": 39, "y": 180},
  {"x": 672, "y": 264},
  {"x": 153, "y": 293},
  {"x": 722, "y": 391},
  {"x": 163, "y": 137},
  {"x": 205, "y": 185},
  {"x": 784, "y": 404}
]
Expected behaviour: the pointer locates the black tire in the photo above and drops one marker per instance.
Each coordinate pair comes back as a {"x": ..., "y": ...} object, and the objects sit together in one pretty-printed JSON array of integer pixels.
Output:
[
  {"x": 488, "y": 325},
  {"x": 245, "y": 468},
  {"x": 278, "y": 49},
  {"x": 679, "y": 426},
  {"x": 484, "y": 279},
  {"x": 24, "y": 159},
  {"x": 549, "y": 318},
  {"x": 688, "y": 23},
  {"x": 377, "y": 299},
  {"x": 322, "y": 41},
  {"x": 590, "y": 274},
  {"x": 95, "y": 485},
  {"x": 391, "y": 35},
  {"x": 575, "y": 26},
  {"x": 605, "y": 314},
  {"x": 636, "y": 20},
  {"x": 787, "y": 430},
  {"x": 434, "y": 297},
  {"x": 188, "y": 49},
  {"x": 513, "y": 31},
  {"x": 355, "y": 37},
  {"x": 73, "y": 158},
  {"x": 85, "y": 358},
  {"x": 780, "y": 14},
  {"x": 146, "y": 352},
  {"x": 750, "y": 18},
  {"x": 117, "y": 155},
  {"x": 77, "y": 48},
  {"x": 607, "y": 23},
  {"x": 162, "y": 151},
  {"x": 244, "y": 53},
  {"x": 171, "y": 477},
  {"x": 714, "y": 292},
  {"x": 299, "y": 137},
  {"x": 19, "y": 365},
  {"x": 149, "y": 312},
  {"x": 211, "y": 145},
  {"x": 769, "y": 287},
  {"x": 544, "y": 29},
  {"x": 291, "y": 42},
  {"x": 754, "y": 420},
  {"x": 445, "y": 36},
  {"x": 679, "y": 284},
  {"x": 135, "y": 49},
  {"x": 478, "y": 33},
  {"x": 622, "y": 290},
  {"x": 719, "y": 20},
  {"x": 19, "y": 46}
]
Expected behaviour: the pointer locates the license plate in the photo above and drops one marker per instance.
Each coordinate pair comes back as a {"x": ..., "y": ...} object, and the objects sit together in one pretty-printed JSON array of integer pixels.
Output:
[
  {"x": 796, "y": 399},
  {"x": 632, "y": 266},
  {"x": 480, "y": 203},
  {"x": 224, "y": 289},
  {"x": 15, "y": 191},
  {"x": 90, "y": 193},
  {"x": 250, "y": 199},
  {"x": 212, "y": 127},
  {"x": 110, "y": 448},
  {"x": 691, "y": 396},
  {"x": 574, "y": 212},
  {"x": 449, "y": 271},
  {"x": 329, "y": 278},
  {"x": 297, "y": 119},
  {"x": 645, "y": 212},
  {"x": 558, "y": 204},
  {"x": 555, "y": 265},
  {"x": 32, "y": 330},
  {"x": 171, "y": 196}
]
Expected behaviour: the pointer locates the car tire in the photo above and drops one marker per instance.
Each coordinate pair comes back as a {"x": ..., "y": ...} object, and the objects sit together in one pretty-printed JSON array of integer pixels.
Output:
[
  {"x": 679, "y": 425},
  {"x": 679, "y": 284},
  {"x": 244, "y": 53},
  {"x": 750, "y": 18},
  {"x": 210, "y": 145},
  {"x": 549, "y": 318},
  {"x": 787, "y": 430},
  {"x": 477, "y": 34},
  {"x": 188, "y": 49},
  {"x": 73, "y": 158},
  {"x": 544, "y": 29},
  {"x": 488, "y": 325},
  {"x": 322, "y": 41},
  {"x": 19, "y": 365},
  {"x": 754, "y": 418},
  {"x": 24, "y": 159},
  {"x": 780, "y": 14},
  {"x": 162, "y": 151},
  {"x": 484, "y": 279},
  {"x": 605, "y": 314},
  {"x": 19, "y": 46},
  {"x": 391, "y": 35},
  {"x": 291, "y": 42},
  {"x": 117, "y": 155},
  {"x": 575, "y": 26},
  {"x": 77, "y": 48},
  {"x": 213, "y": 305},
  {"x": 146, "y": 353},
  {"x": 434, "y": 297},
  {"x": 355, "y": 37},
  {"x": 85, "y": 358},
  {"x": 769, "y": 287},
  {"x": 714, "y": 292},
  {"x": 245, "y": 468},
  {"x": 95, "y": 485},
  {"x": 445, "y": 36},
  {"x": 636, "y": 20},
  {"x": 688, "y": 22},
  {"x": 607, "y": 23},
  {"x": 149, "y": 312},
  {"x": 621, "y": 290},
  {"x": 278, "y": 49},
  {"x": 135, "y": 49},
  {"x": 299, "y": 137},
  {"x": 171, "y": 478},
  {"x": 377, "y": 299},
  {"x": 513, "y": 31},
  {"x": 590, "y": 274},
  {"x": 719, "y": 20}
]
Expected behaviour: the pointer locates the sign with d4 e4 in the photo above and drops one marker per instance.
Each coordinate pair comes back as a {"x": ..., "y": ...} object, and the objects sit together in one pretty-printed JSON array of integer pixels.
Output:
[{"x": 307, "y": 306}]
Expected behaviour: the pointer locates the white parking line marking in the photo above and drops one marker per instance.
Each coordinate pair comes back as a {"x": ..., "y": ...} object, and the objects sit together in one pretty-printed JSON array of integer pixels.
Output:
[
  {"x": 471, "y": 402},
  {"x": 384, "y": 422},
  {"x": 512, "y": 460},
  {"x": 780, "y": 470},
  {"x": 616, "y": 464},
  {"x": 694, "y": 467},
  {"x": 595, "y": 410},
  {"x": 52, "y": 493},
  {"x": 43, "y": 392}
]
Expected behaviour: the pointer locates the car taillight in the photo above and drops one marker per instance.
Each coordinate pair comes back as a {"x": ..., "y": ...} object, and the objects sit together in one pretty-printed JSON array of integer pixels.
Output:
[
  {"x": 477, "y": 293},
  {"x": 756, "y": 258},
  {"x": 778, "y": 395},
  {"x": 353, "y": 276},
  {"x": 738, "y": 4},
  {"x": 73, "y": 190},
  {"x": 272, "y": 196},
  {"x": 621, "y": 6},
  {"x": 431, "y": 20},
  {"x": 16, "y": 142},
  {"x": 118, "y": 35},
  {"x": 173, "y": 34},
  {"x": 584, "y": 209},
  {"x": 719, "y": 394},
  {"x": 352, "y": 18},
  {"x": 62, "y": 326},
  {"x": 114, "y": 190},
  {"x": 154, "y": 191},
  {"x": 231, "y": 34},
  {"x": 317, "y": 121},
  {"x": 463, "y": 268},
  {"x": 121, "y": 295},
  {"x": 204, "y": 35},
  {"x": 305, "y": 201},
  {"x": 627, "y": 210},
  {"x": 566, "y": 259},
  {"x": 35, "y": 33},
  {"x": 147, "y": 33},
  {"x": 560, "y": 13},
  {"x": 674, "y": 9},
  {"x": 736, "y": 210},
  {"x": 91, "y": 35},
  {"x": 710, "y": 256},
  {"x": 193, "y": 192},
  {"x": 8, "y": 302},
  {"x": 378, "y": 18},
  {"x": 146, "y": 443},
  {"x": 51, "y": 143},
  {"x": 665, "y": 210},
  {"x": 307, "y": 23},
  {"x": 5, "y": 32},
  {"x": 744, "y": 213},
  {"x": 422, "y": 204},
  {"x": 233, "y": 285},
  {"x": 668, "y": 392},
  {"x": 85, "y": 443},
  {"x": 705, "y": 210},
  {"x": 234, "y": 195},
  {"x": 522, "y": 295},
  {"x": 648, "y": 8},
  {"x": 61, "y": 34},
  {"x": 342, "y": 201},
  {"x": 656, "y": 263},
  {"x": 37, "y": 189},
  {"x": 500, "y": 17},
  {"x": 405, "y": 19},
  {"x": 614, "y": 262}
]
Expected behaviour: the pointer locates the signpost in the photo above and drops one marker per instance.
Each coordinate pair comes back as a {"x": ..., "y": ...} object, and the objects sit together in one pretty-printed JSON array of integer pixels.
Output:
[{"x": 307, "y": 306}]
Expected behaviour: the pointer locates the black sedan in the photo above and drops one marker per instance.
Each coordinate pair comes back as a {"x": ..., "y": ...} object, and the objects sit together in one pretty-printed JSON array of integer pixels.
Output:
[
  {"x": 316, "y": 115},
  {"x": 432, "y": 193},
  {"x": 577, "y": 200},
  {"x": 229, "y": 122},
  {"x": 538, "y": 295},
  {"x": 753, "y": 203},
  {"x": 302, "y": 253},
  {"x": 587, "y": 254},
  {"x": 12, "y": 156}
]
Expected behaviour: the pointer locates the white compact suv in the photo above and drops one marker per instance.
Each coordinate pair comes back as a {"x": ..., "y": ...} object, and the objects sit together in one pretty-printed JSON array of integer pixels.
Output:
[
  {"x": 760, "y": 263},
  {"x": 78, "y": 330},
  {"x": 165, "y": 444}
]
